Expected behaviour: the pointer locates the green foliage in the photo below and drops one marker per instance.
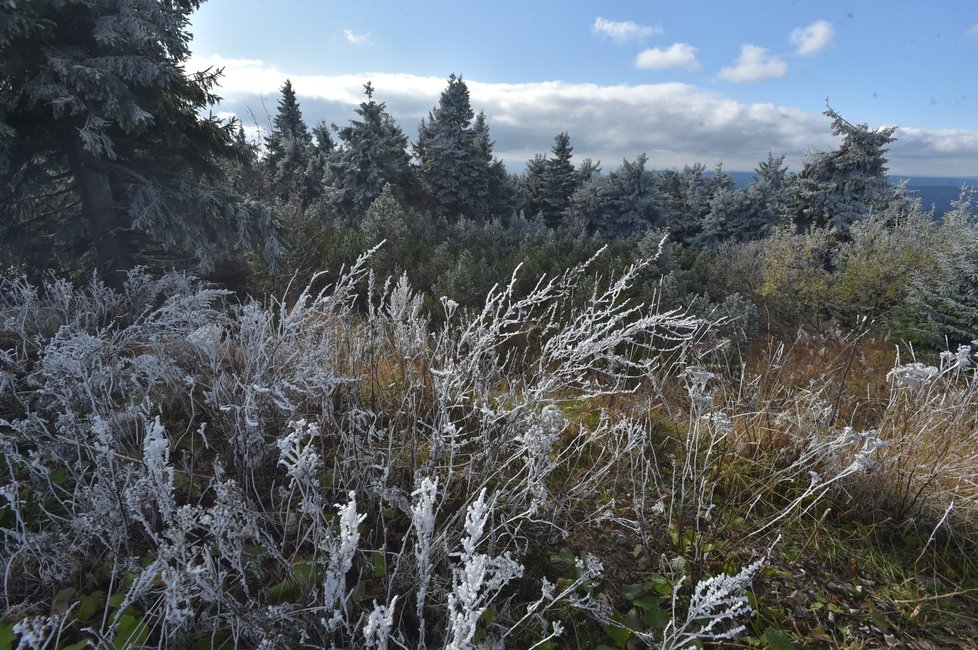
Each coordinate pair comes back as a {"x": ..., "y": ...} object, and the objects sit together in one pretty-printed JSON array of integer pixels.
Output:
[
  {"x": 796, "y": 283},
  {"x": 103, "y": 140}
]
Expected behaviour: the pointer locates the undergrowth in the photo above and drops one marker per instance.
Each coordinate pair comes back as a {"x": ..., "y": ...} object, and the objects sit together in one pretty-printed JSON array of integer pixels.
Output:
[{"x": 558, "y": 468}]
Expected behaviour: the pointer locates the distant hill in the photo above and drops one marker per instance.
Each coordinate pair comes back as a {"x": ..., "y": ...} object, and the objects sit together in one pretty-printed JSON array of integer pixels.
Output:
[{"x": 937, "y": 191}]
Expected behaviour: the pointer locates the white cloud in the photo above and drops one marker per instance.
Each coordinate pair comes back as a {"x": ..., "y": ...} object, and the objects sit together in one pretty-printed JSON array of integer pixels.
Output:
[
  {"x": 674, "y": 123},
  {"x": 357, "y": 39},
  {"x": 622, "y": 31},
  {"x": 754, "y": 64},
  {"x": 812, "y": 39},
  {"x": 973, "y": 32},
  {"x": 677, "y": 55}
]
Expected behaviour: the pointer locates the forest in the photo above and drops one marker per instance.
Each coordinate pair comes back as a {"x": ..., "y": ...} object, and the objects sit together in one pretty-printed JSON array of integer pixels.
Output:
[{"x": 359, "y": 386}]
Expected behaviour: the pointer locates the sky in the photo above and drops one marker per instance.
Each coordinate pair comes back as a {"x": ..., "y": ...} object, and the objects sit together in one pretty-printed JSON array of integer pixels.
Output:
[{"x": 682, "y": 82}]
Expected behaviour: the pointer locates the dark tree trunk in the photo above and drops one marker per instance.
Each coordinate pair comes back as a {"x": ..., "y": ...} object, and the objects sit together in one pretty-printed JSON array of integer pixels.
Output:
[{"x": 109, "y": 221}]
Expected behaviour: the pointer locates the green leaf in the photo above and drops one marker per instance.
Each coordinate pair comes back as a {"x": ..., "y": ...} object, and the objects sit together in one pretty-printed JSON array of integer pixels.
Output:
[
  {"x": 656, "y": 618},
  {"x": 777, "y": 640},
  {"x": 656, "y": 583},
  {"x": 116, "y": 599},
  {"x": 878, "y": 619},
  {"x": 7, "y": 637},
  {"x": 84, "y": 643},
  {"x": 62, "y": 600},
  {"x": 646, "y": 602},
  {"x": 89, "y": 606},
  {"x": 302, "y": 578},
  {"x": 620, "y": 635},
  {"x": 661, "y": 584},
  {"x": 131, "y": 631},
  {"x": 60, "y": 476},
  {"x": 378, "y": 565}
]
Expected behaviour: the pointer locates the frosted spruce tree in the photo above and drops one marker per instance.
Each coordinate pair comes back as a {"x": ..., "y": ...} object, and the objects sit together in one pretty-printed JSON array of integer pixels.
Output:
[
  {"x": 561, "y": 180},
  {"x": 621, "y": 204},
  {"x": 454, "y": 164},
  {"x": 764, "y": 200},
  {"x": 102, "y": 143},
  {"x": 632, "y": 207},
  {"x": 501, "y": 192},
  {"x": 838, "y": 187},
  {"x": 549, "y": 183},
  {"x": 373, "y": 154},
  {"x": 290, "y": 148}
]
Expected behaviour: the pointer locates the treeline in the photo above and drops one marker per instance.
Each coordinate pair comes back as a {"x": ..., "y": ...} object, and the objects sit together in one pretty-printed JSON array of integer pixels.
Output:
[{"x": 450, "y": 171}]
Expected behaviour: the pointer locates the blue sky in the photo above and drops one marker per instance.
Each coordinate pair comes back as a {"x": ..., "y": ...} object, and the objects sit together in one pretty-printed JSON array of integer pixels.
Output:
[{"x": 683, "y": 82}]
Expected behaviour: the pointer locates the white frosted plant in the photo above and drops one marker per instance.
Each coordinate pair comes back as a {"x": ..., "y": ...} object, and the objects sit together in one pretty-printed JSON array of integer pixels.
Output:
[
  {"x": 477, "y": 578},
  {"x": 535, "y": 445},
  {"x": 340, "y": 550},
  {"x": 377, "y": 631},
  {"x": 155, "y": 488},
  {"x": 423, "y": 524},
  {"x": 831, "y": 457},
  {"x": 39, "y": 632},
  {"x": 302, "y": 463},
  {"x": 231, "y": 532},
  {"x": 914, "y": 376},
  {"x": 715, "y": 606}
]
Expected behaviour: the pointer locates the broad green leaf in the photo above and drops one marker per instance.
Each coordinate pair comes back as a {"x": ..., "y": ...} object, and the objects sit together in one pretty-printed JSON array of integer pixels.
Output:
[
  {"x": 62, "y": 600},
  {"x": 7, "y": 637},
  {"x": 131, "y": 631},
  {"x": 656, "y": 618},
  {"x": 646, "y": 602},
  {"x": 777, "y": 640},
  {"x": 89, "y": 606},
  {"x": 378, "y": 565}
]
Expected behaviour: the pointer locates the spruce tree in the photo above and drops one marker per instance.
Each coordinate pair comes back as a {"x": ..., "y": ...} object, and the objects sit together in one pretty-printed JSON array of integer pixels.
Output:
[
  {"x": 317, "y": 170},
  {"x": 695, "y": 200},
  {"x": 289, "y": 147},
  {"x": 101, "y": 125},
  {"x": 628, "y": 204},
  {"x": 838, "y": 187},
  {"x": 764, "y": 200},
  {"x": 373, "y": 154},
  {"x": 454, "y": 165},
  {"x": 533, "y": 185},
  {"x": 499, "y": 193},
  {"x": 560, "y": 179}
]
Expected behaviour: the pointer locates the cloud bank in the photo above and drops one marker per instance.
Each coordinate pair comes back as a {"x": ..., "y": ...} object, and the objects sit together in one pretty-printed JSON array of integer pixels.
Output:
[
  {"x": 674, "y": 123},
  {"x": 678, "y": 55}
]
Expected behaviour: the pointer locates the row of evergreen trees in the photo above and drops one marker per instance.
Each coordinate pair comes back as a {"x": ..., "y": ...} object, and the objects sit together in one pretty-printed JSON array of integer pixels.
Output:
[
  {"x": 450, "y": 171},
  {"x": 107, "y": 161}
]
